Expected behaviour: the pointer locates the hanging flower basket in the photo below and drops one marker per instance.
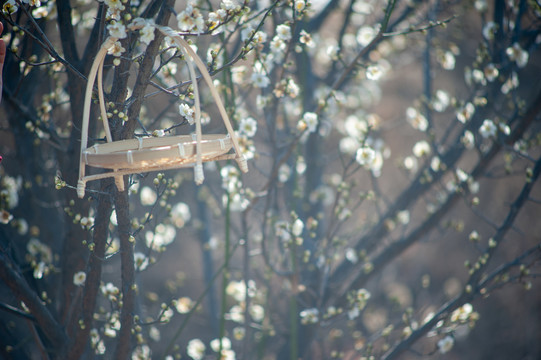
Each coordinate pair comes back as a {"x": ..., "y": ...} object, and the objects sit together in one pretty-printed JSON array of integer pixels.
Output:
[{"x": 145, "y": 154}]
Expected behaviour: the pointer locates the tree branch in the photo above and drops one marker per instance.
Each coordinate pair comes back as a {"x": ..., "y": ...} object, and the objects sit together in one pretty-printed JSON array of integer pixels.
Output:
[
  {"x": 358, "y": 277},
  {"x": 23, "y": 292},
  {"x": 93, "y": 278},
  {"x": 467, "y": 296},
  {"x": 127, "y": 270}
]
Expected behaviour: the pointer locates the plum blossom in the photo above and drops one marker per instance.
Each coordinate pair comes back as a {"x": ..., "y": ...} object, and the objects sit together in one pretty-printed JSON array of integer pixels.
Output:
[
  {"x": 147, "y": 33},
  {"x": 259, "y": 77},
  {"x": 491, "y": 72},
  {"x": 441, "y": 101},
  {"x": 416, "y": 119},
  {"x": 180, "y": 214},
  {"x": 141, "y": 261},
  {"x": 187, "y": 112},
  {"x": 116, "y": 50},
  {"x": 148, "y": 196},
  {"x": 196, "y": 349},
  {"x": 488, "y": 129},
  {"x": 79, "y": 278},
  {"x": 5, "y": 217},
  {"x": 161, "y": 237},
  {"x": 308, "y": 122},
  {"x": 365, "y": 156},
  {"x": 517, "y": 54},
  {"x": 10, "y": 7},
  {"x": 283, "y": 31},
  {"x": 191, "y": 20},
  {"x": 374, "y": 72},
  {"x": 489, "y": 30},
  {"x": 365, "y": 35},
  {"x": 300, "y": 5},
  {"x": 465, "y": 113},
  {"x": 225, "y": 344},
  {"x": 248, "y": 127},
  {"x": 446, "y": 344},
  {"x": 117, "y": 30},
  {"x": 297, "y": 228},
  {"x": 421, "y": 148},
  {"x": 309, "y": 316}
]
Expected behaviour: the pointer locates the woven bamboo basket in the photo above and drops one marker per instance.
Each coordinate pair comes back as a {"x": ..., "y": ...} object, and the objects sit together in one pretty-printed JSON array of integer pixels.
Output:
[{"x": 147, "y": 154}]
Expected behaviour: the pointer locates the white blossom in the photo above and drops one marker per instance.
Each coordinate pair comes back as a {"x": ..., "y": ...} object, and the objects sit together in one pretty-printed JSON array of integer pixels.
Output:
[
  {"x": 465, "y": 113},
  {"x": 148, "y": 196},
  {"x": 191, "y": 20},
  {"x": 309, "y": 316},
  {"x": 365, "y": 156},
  {"x": 147, "y": 33},
  {"x": 79, "y": 278},
  {"x": 117, "y": 49},
  {"x": 446, "y": 344},
  {"x": 180, "y": 214},
  {"x": 5, "y": 217},
  {"x": 374, "y": 72},
  {"x": 416, "y": 119},
  {"x": 196, "y": 349},
  {"x": 297, "y": 228},
  {"x": 421, "y": 148},
  {"x": 284, "y": 172},
  {"x": 187, "y": 112},
  {"x": 10, "y": 7},
  {"x": 491, "y": 72},
  {"x": 115, "y": 4},
  {"x": 468, "y": 139},
  {"x": 365, "y": 35},
  {"x": 283, "y": 31},
  {"x": 517, "y": 54},
  {"x": 225, "y": 344},
  {"x": 447, "y": 60},
  {"x": 141, "y": 261},
  {"x": 248, "y": 126},
  {"x": 259, "y": 77},
  {"x": 300, "y": 5},
  {"x": 403, "y": 217},
  {"x": 184, "y": 305},
  {"x": 257, "y": 312},
  {"x": 489, "y": 30},
  {"x": 117, "y": 30},
  {"x": 441, "y": 101},
  {"x": 161, "y": 237},
  {"x": 488, "y": 129},
  {"x": 308, "y": 122}
]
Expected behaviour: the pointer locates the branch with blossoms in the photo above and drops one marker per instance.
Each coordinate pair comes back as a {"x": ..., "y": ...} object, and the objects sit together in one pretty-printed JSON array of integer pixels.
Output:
[
  {"x": 394, "y": 160},
  {"x": 475, "y": 287}
]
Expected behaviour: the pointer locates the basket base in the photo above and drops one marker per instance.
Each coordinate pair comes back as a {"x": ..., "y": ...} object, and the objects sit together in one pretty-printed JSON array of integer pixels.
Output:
[{"x": 143, "y": 153}]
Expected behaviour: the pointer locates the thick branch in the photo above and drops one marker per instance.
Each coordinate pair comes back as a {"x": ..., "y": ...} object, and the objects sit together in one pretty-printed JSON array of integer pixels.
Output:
[
  {"x": 67, "y": 35},
  {"x": 127, "y": 269},
  {"x": 23, "y": 292},
  {"x": 94, "y": 270}
]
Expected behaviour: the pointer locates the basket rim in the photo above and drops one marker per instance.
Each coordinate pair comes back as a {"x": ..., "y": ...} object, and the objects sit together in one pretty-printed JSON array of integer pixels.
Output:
[
  {"x": 135, "y": 154},
  {"x": 155, "y": 143}
]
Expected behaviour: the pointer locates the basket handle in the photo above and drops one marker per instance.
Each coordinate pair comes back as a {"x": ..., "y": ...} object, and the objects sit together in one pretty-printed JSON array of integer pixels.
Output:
[
  {"x": 96, "y": 71},
  {"x": 183, "y": 44}
]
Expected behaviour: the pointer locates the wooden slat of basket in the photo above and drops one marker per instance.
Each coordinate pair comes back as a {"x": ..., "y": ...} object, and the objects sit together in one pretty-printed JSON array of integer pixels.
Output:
[
  {"x": 123, "y": 172},
  {"x": 146, "y": 152}
]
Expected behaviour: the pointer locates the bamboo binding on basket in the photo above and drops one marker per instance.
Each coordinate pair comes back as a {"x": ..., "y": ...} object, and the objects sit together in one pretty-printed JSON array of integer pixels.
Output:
[{"x": 147, "y": 154}]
